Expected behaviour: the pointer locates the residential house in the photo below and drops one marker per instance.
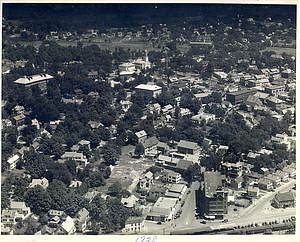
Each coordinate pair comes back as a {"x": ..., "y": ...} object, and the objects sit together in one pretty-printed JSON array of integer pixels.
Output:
[
  {"x": 12, "y": 162},
  {"x": 237, "y": 183},
  {"x": 252, "y": 191},
  {"x": 129, "y": 202},
  {"x": 66, "y": 228},
  {"x": 276, "y": 180},
  {"x": 75, "y": 184},
  {"x": 146, "y": 180},
  {"x": 162, "y": 147},
  {"x": 171, "y": 176},
  {"x": 10, "y": 217},
  {"x": 207, "y": 117},
  {"x": 141, "y": 136},
  {"x": 18, "y": 120},
  {"x": 150, "y": 144},
  {"x": 184, "y": 112},
  {"x": 274, "y": 102},
  {"x": 125, "y": 104},
  {"x": 187, "y": 147},
  {"x": 134, "y": 225},
  {"x": 44, "y": 183},
  {"x": 284, "y": 176},
  {"x": 265, "y": 184},
  {"x": 79, "y": 158},
  {"x": 168, "y": 109},
  {"x": 183, "y": 165},
  {"x": 222, "y": 149},
  {"x": 156, "y": 192},
  {"x": 291, "y": 171},
  {"x": 85, "y": 142},
  {"x": 81, "y": 219},
  {"x": 45, "y": 230},
  {"x": 285, "y": 199},
  {"x": 6, "y": 230},
  {"x": 232, "y": 170}
]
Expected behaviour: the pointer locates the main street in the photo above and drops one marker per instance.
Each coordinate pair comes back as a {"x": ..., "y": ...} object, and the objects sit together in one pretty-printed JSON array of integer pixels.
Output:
[{"x": 255, "y": 213}]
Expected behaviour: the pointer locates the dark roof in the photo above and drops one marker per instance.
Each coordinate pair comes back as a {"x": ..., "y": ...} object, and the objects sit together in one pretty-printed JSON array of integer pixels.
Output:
[
  {"x": 150, "y": 142},
  {"x": 285, "y": 196},
  {"x": 187, "y": 144},
  {"x": 183, "y": 164}
]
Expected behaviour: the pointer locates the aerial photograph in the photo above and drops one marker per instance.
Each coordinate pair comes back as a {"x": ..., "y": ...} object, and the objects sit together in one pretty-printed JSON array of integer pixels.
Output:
[{"x": 148, "y": 119}]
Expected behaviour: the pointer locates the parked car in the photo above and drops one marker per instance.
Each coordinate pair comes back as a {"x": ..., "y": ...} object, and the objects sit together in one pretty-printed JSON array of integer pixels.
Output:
[
  {"x": 203, "y": 222},
  {"x": 225, "y": 220},
  {"x": 159, "y": 223}
]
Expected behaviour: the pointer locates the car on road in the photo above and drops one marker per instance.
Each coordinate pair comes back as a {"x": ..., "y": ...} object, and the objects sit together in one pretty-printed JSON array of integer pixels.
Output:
[{"x": 203, "y": 222}]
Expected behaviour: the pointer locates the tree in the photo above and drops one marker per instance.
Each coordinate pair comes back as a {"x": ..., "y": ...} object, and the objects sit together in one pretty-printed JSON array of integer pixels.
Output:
[
  {"x": 115, "y": 188},
  {"x": 111, "y": 153},
  {"x": 139, "y": 149},
  {"x": 38, "y": 200}
]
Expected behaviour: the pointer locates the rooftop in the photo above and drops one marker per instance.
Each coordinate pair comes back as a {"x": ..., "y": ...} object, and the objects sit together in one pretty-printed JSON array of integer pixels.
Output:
[
  {"x": 148, "y": 87},
  {"x": 33, "y": 79},
  {"x": 285, "y": 196},
  {"x": 212, "y": 181},
  {"x": 187, "y": 144}
]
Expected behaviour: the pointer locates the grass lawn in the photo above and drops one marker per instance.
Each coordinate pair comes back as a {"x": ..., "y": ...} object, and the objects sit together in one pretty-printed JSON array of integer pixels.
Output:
[{"x": 279, "y": 50}]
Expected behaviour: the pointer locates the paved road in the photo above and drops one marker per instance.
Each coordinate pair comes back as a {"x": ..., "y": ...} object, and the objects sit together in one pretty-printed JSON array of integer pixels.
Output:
[
  {"x": 255, "y": 213},
  {"x": 187, "y": 217}
]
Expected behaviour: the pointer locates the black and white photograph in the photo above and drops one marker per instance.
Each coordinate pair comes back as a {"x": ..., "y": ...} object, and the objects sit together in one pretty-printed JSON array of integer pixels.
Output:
[{"x": 148, "y": 120}]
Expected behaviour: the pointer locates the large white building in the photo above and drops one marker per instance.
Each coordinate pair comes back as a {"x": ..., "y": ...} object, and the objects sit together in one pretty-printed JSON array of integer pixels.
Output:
[{"x": 154, "y": 90}]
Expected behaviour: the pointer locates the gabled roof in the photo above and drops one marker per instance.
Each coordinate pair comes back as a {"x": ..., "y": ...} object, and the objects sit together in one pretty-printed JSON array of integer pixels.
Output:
[
  {"x": 141, "y": 134},
  {"x": 82, "y": 214},
  {"x": 187, "y": 144},
  {"x": 150, "y": 142},
  {"x": 68, "y": 224}
]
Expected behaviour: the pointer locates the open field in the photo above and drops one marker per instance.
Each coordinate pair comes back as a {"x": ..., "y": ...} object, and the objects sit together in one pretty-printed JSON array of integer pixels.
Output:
[
  {"x": 279, "y": 50},
  {"x": 127, "y": 172}
]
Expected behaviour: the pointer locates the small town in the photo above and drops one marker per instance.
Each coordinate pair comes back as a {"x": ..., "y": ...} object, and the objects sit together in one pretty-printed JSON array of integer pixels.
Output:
[{"x": 133, "y": 119}]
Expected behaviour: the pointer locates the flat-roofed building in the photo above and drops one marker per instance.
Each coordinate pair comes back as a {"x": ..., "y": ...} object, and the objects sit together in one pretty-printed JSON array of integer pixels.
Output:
[
  {"x": 275, "y": 90},
  {"x": 153, "y": 90},
  {"x": 240, "y": 96},
  {"x": 211, "y": 198},
  {"x": 163, "y": 209},
  {"x": 171, "y": 176}
]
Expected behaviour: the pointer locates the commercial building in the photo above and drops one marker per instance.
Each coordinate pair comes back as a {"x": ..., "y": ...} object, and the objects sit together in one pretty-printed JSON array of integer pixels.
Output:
[
  {"x": 211, "y": 198},
  {"x": 240, "y": 96},
  {"x": 163, "y": 209},
  {"x": 285, "y": 199},
  {"x": 40, "y": 80},
  {"x": 275, "y": 90},
  {"x": 145, "y": 89}
]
